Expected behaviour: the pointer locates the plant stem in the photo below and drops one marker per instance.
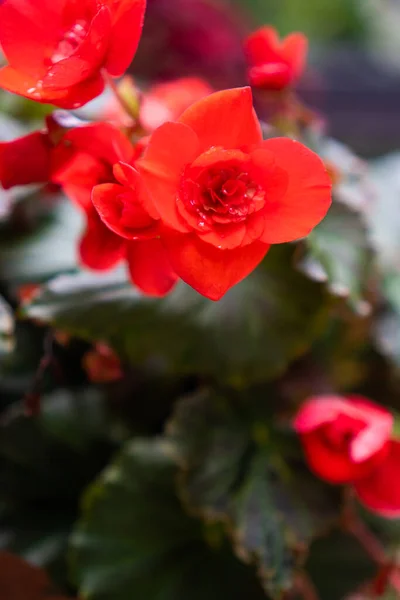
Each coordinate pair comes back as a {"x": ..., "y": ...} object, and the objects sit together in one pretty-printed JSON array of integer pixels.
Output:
[{"x": 120, "y": 99}]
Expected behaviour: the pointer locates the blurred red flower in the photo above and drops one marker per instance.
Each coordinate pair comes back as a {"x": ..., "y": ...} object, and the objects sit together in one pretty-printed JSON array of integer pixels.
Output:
[
  {"x": 348, "y": 440},
  {"x": 224, "y": 195},
  {"x": 162, "y": 102},
  {"x": 58, "y": 50},
  {"x": 274, "y": 64},
  {"x": 167, "y": 101},
  {"x": 343, "y": 436}
]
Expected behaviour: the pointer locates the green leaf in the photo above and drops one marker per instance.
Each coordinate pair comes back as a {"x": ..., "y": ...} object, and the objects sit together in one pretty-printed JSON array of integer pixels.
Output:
[
  {"x": 70, "y": 431},
  {"x": 134, "y": 540},
  {"x": 232, "y": 473},
  {"x": 252, "y": 333},
  {"x": 48, "y": 251},
  {"x": 386, "y": 328},
  {"x": 338, "y": 253},
  {"x": 338, "y": 566}
]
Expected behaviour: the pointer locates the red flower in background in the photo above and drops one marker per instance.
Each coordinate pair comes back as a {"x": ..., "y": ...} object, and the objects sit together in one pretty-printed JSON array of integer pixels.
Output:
[
  {"x": 167, "y": 101},
  {"x": 162, "y": 102},
  {"x": 57, "y": 49},
  {"x": 341, "y": 436},
  {"x": 85, "y": 165},
  {"x": 274, "y": 64},
  {"x": 348, "y": 440},
  {"x": 224, "y": 195}
]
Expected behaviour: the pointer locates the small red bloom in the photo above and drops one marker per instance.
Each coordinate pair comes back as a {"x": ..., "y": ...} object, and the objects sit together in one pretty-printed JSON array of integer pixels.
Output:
[
  {"x": 224, "y": 194},
  {"x": 121, "y": 222},
  {"x": 57, "y": 49},
  {"x": 167, "y": 101},
  {"x": 274, "y": 64},
  {"x": 344, "y": 439}
]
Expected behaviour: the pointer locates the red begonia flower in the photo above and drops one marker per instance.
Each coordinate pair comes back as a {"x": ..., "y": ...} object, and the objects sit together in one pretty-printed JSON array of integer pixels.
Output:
[
  {"x": 224, "y": 195},
  {"x": 25, "y": 160},
  {"x": 57, "y": 49},
  {"x": 167, "y": 101},
  {"x": 274, "y": 64},
  {"x": 344, "y": 438},
  {"x": 87, "y": 165},
  {"x": 380, "y": 490}
]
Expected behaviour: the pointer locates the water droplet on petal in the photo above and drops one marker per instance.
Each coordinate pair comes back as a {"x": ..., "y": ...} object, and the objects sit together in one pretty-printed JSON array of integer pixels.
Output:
[{"x": 201, "y": 224}]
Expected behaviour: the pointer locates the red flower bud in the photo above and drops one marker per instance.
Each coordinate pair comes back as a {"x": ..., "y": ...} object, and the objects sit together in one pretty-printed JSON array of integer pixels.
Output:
[{"x": 274, "y": 64}]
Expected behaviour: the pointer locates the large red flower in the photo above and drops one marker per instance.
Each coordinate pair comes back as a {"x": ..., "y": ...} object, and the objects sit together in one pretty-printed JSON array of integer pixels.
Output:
[
  {"x": 57, "y": 50},
  {"x": 224, "y": 195},
  {"x": 344, "y": 439},
  {"x": 85, "y": 164},
  {"x": 274, "y": 64}
]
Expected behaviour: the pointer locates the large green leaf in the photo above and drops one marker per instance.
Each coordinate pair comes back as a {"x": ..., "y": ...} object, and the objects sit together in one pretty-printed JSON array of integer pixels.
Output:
[
  {"x": 232, "y": 473},
  {"x": 338, "y": 252},
  {"x": 70, "y": 431},
  {"x": 135, "y": 541},
  {"x": 252, "y": 333}
]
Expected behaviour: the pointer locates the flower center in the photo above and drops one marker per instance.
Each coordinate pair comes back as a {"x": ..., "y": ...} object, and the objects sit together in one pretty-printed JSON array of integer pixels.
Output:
[
  {"x": 71, "y": 40},
  {"x": 221, "y": 194}
]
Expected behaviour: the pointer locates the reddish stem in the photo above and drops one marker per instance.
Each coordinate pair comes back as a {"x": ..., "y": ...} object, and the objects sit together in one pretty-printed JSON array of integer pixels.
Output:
[
  {"x": 373, "y": 547},
  {"x": 118, "y": 96}
]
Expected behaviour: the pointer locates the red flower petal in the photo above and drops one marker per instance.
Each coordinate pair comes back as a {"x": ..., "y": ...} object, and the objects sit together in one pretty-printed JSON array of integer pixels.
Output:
[
  {"x": 308, "y": 195},
  {"x": 294, "y": 50},
  {"x": 121, "y": 211},
  {"x": 19, "y": 83},
  {"x": 25, "y": 35},
  {"x": 207, "y": 269},
  {"x": 336, "y": 467},
  {"x": 87, "y": 58},
  {"x": 226, "y": 119},
  {"x": 380, "y": 490},
  {"x": 150, "y": 268},
  {"x": 127, "y": 28},
  {"x": 171, "y": 147},
  {"x": 100, "y": 249},
  {"x": 102, "y": 141},
  {"x": 25, "y": 160}
]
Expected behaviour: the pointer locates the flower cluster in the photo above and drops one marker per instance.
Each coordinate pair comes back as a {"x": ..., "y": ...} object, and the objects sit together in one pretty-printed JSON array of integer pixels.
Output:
[
  {"x": 181, "y": 185},
  {"x": 349, "y": 440}
]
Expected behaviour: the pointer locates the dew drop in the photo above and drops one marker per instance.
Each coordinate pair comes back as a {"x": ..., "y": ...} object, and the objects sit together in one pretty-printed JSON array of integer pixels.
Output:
[
  {"x": 31, "y": 90},
  {"x": 201, "y": 224}
]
